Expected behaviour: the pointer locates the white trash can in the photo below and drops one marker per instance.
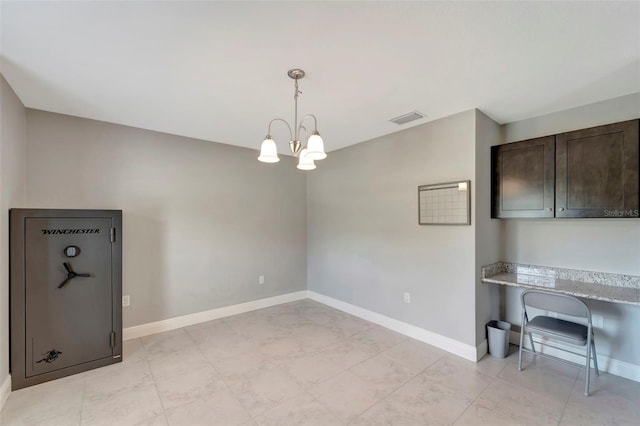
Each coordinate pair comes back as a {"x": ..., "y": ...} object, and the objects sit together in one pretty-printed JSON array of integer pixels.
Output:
[{"x": 498, "y": 336}]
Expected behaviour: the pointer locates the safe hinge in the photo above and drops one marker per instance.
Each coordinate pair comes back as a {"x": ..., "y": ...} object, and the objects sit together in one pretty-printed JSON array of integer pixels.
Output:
[
  {"x": 113, "y": 339},
  {"x": 113, "y": 235}
]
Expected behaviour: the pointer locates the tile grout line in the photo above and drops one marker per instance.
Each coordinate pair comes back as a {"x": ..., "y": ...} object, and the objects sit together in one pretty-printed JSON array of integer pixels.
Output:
[
  {"x": 474, "y": 400},
  {"x": 405, "y": 339},
  {"x": 464, "y": 412},
  {"x": 153, "y": 378},
  {"x": 223, "y": 378},
  {"x": 399, "y": 386},
  {"x": 84, "y": 388},
  {"x": 372, "y": 356},
  {"x": 281, "y": 402},
  {"x": 266, "y": 411},
  {"x": 566, "y": 403},
  {"x": 323, "y": 406},
  {"x": 544, "y": 395},
  {"x": 305, "y": 389},
  {"x": 320, "y": 351},
  {"x": 220, "y": 375},
  {"x": 155, "y": 385},
  {"x": 323, "y": 350},
  {"x": 533, "y": 358}
]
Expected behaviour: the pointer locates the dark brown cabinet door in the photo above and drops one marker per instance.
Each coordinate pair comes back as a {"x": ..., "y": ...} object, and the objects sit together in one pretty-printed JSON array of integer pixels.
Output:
[
  {"x": 597, "y": 172},
  {"x": 523, "y": 179}
]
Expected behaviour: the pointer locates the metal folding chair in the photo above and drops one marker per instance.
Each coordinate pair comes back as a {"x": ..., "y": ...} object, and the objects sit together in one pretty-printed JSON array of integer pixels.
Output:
[{"x": 556, "y": 329}]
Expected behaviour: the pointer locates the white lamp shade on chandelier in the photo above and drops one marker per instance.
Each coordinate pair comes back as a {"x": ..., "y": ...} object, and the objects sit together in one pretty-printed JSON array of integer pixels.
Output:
[
  {"x": 304, "y": 161},
  {"x": 314, "y": 149},
  {"x": 269, "y": 152}
]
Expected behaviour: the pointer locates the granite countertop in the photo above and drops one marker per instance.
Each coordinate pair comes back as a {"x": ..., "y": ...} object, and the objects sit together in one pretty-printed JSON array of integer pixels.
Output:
[{"x": 587, "y": 284}]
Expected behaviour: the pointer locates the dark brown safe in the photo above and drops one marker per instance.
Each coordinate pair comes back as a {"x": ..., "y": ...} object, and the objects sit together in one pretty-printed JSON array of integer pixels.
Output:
[{"x": 65, "y": 292}]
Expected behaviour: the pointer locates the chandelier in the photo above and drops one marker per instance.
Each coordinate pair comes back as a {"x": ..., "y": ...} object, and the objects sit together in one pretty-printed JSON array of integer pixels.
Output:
[{"x": 314, "y": 149}]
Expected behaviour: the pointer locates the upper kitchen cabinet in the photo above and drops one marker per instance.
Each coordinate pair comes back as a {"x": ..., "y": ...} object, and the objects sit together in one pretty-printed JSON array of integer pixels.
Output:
[
  {"x": 597, "y": 172},
  {"x": 585, "y": 173},
  {"x": 523, "y": 179}
]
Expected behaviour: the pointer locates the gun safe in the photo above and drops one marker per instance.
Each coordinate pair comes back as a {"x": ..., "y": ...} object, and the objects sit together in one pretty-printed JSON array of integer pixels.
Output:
[{"x": 65, "y": 292}]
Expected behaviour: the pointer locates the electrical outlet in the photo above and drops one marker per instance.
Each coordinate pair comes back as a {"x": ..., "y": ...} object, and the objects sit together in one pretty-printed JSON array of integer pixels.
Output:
[
  {"x": 407, "y": 297},
  {"x": 125, "y": 300},
  {"x": 261, "y": 279},
  {"x": 597, "y": 321}
]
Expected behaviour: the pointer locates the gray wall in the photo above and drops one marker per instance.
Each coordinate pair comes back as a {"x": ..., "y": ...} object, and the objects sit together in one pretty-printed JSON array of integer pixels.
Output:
[
  {"x": 365, "y": 246},
  {"x": 608, "y": 245},
  {"x": 487, "y": 244},
  {"x": 12, "y": 194},
  {"x": 201, "y": 220}
]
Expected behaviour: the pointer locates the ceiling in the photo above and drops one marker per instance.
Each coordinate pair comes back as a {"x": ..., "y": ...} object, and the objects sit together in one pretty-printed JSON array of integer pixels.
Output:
[{"x": 217, "y": 70}]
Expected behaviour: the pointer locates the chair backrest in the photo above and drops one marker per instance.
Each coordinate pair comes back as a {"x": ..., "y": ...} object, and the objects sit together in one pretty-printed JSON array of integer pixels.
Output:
[{"x": 555, "y": 302}]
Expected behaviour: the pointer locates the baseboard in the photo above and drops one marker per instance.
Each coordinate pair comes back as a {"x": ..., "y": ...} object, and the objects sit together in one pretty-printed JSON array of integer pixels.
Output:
[
  {"x": 450, "y": 345},
  {"x": 5, "y": 390},
  {"x": 198, "y": 317},
  {"x": 455, "y": 347},
  {"x": 610, "y": 365},
  {"x": 482, "y": 349}
]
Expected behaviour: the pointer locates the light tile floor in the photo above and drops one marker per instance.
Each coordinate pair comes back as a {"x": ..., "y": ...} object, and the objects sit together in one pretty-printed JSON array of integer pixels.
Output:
[{"x": 304, "y": 363}]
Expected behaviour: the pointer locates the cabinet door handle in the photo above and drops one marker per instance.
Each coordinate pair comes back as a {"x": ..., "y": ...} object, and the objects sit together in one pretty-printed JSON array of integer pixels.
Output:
[
  {"x": 548, "y": 209},
  {"x": 561, "y": 209}
]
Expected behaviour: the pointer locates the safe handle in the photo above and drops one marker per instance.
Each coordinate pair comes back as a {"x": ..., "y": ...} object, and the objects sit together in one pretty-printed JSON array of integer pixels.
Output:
[{"x": 71, "y": 275}]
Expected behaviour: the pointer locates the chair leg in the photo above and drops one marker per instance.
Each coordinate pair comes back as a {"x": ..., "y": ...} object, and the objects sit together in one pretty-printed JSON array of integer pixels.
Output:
[
  {"x": 588, "y": 367},
  {"x": 533, "y": 348},
  {"x": 595, "y": 357},
  {"x": 520, "y": 348}
]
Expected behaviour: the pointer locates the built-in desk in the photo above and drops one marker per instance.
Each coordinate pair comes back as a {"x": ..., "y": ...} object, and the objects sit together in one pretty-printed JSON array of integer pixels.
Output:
[{"x": 587, "y": 284}]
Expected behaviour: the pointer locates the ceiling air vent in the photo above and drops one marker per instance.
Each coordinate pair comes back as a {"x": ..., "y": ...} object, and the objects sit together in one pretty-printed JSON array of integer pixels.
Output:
[{"x": 405, "y": 118}]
